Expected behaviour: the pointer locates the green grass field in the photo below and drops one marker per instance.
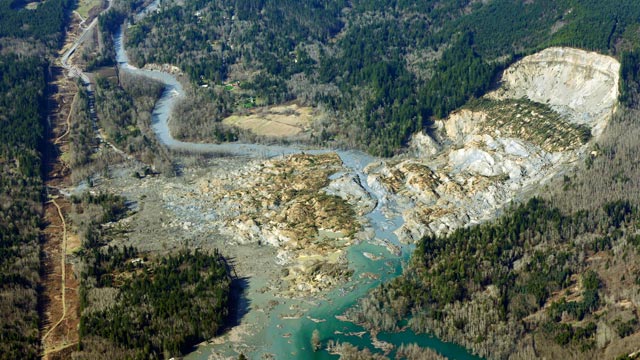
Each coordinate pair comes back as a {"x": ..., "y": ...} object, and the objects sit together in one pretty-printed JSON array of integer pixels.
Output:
[{"x": 85, "y": 5}]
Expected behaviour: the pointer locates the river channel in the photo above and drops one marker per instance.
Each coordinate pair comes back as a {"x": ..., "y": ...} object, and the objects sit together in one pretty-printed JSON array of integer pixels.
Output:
[{"x": 277, "y": 333}]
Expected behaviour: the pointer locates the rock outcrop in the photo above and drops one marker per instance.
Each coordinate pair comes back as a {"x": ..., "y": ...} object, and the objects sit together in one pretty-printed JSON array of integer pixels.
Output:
[{"x": 349, "y": 188}]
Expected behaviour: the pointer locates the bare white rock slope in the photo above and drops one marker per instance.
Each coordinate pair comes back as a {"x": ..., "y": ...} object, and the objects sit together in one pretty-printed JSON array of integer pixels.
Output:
[
  {"x": 582, "y": 85},
  {"x": 515, "y": 138}
]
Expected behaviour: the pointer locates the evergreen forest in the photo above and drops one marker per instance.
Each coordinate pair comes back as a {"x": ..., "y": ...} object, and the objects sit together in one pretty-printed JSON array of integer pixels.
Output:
[
  {"x": 136, "y": 305},
  {"x": 22, "y": 110}
]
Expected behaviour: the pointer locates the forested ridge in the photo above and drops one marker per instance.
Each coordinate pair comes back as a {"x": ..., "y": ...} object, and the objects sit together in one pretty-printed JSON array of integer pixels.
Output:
[
  {"x": 45, "y": 23},
  {"x": 379, "y": 70},
  {"x": 477, "y": 285}
]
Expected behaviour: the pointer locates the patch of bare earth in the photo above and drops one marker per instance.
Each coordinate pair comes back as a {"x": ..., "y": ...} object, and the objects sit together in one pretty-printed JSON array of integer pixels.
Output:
[
  {"x": 276, "y": 121},
  {"x": 59, "y": 298}
]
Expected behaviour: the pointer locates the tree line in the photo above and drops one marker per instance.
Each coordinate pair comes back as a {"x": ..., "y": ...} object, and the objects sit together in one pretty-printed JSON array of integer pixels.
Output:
[{"x": 158, "y": 306}]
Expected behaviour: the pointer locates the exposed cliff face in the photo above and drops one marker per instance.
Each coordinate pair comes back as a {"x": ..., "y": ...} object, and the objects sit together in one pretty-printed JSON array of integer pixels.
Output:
[
  {"x": 582, "y": 85},
  {"x": 493, "y": 150}
]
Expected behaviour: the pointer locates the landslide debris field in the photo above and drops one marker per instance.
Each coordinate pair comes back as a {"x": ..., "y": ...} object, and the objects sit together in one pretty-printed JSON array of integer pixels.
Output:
[
  {"x": 281, "y": 210},
  {"x": 285, "y": 223}
]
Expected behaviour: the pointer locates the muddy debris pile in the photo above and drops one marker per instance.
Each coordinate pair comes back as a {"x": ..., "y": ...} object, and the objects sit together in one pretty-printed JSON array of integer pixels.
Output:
[{"x": 290, "y": 203}]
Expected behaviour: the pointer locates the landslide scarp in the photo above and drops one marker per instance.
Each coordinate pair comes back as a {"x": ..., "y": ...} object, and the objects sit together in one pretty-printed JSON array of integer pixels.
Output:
[
  {"x": 549, "y": 105},
  {"x": 579, "y": 84}
]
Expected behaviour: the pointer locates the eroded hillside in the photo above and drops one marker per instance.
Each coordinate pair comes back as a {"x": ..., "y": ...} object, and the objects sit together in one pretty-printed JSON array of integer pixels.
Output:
[
  {"x": 553, "y": 277},
  {"x": 583, "y": 86},
  {"x": 536, "y": 124}
]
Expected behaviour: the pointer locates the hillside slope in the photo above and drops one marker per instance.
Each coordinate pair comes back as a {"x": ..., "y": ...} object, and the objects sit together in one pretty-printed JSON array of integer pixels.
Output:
[
  {"x": 497, "y": 147},
  {"x": 557, "y": 273},
  {"x": 581, "y": 85}
]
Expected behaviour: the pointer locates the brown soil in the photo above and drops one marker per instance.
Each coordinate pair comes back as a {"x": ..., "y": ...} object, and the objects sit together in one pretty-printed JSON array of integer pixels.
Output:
[
  {"x": 60, "y": 313},
  {"x": 276, "y": 121},
  {"x": 59, "y": 298}
]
